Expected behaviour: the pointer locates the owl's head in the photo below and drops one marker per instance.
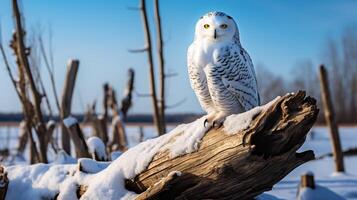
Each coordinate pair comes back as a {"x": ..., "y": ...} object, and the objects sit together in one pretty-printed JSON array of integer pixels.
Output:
[{"x": 217, "y": 27}]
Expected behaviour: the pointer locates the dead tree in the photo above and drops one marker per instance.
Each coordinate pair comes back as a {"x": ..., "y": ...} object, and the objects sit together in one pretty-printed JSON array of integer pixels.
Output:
[
  {"x": 120, "y": 114},
  {"x": 330, "y": 120},
  {"x": 66, "y": 100},
  {"x": 148, "y": 49},
  {"x": 119, "y": 141},
  {"x": 160, "y": 52},
  {"x": 32, "y": 110}
]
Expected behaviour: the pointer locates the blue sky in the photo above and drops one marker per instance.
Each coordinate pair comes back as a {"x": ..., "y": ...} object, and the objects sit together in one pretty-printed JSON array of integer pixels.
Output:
[{"x": 277, "y": 33}]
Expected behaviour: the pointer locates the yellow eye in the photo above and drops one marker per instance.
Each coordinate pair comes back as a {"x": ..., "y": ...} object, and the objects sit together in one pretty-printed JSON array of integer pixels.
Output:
[
  {"x": 224, "y": 26},
  {"x": 206, "y": 26}
]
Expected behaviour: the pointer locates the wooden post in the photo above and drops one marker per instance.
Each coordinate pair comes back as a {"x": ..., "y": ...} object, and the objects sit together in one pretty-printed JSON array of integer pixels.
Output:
[
  {"x": 330, "y": 120},
  {"x": 66, "y": 101},
  {"x": 307, "y": 180},
  {"x": 77, "y": 137},
  {"x": 102, "y": 123}
]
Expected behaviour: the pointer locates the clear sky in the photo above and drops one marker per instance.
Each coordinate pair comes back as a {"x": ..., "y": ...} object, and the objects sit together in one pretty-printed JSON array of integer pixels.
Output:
[{"x": 277, "y": 33}]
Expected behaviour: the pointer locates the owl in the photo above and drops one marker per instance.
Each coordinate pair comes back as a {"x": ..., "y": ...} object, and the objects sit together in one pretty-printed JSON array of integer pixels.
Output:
[{"x": 220, "y": 70}]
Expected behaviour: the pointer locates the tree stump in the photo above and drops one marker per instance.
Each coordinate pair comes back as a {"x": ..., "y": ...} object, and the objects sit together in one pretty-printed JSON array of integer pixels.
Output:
[{"x": 239, "y": 166}]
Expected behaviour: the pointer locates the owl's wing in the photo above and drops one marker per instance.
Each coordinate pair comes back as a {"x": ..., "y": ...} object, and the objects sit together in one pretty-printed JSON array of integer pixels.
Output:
[
  {"x": 198, "y": 82},
  {"x": 238, "y": 76}
]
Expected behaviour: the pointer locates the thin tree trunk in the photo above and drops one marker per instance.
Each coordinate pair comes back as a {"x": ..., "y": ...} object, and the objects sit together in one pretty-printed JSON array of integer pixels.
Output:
[
  {"x": 156, "y": 114},
  {"x": 22, "y": 53},
  {"x": 160, "y": 51},
  {"x": 66, "y": 102},
  {"x": 330, "y": 120}
]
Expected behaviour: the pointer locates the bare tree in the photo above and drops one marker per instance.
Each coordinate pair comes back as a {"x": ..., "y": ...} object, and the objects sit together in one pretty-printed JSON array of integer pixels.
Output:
[
  {"x": 160, "y": 52},
  {"x": 22, "y": 52},
  {"x": 148, "y": 49}
]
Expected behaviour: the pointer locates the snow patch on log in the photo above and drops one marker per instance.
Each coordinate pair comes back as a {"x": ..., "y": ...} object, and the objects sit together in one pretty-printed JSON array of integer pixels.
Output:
[
  {"x": 239, "y": 122},
  {"x": 70, "y": 121}
]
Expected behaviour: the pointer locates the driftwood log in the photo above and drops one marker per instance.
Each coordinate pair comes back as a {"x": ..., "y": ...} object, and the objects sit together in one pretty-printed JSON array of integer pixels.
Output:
[{"x": 239, "y": 166}]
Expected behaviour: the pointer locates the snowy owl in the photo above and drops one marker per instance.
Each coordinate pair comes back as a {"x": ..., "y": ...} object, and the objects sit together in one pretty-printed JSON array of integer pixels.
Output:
[{"x": 220, "y": 70}]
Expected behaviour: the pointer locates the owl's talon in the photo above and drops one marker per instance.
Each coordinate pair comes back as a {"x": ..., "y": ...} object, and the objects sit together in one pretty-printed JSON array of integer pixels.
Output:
[
  {"x": 217, "y": 125},
  {"x": 205, "y": 122}
]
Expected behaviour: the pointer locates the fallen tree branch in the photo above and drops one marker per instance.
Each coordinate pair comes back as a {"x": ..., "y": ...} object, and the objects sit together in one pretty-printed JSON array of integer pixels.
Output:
[
  {"x": 242, "y": 165},
  {"x": 247, "y": 156}
]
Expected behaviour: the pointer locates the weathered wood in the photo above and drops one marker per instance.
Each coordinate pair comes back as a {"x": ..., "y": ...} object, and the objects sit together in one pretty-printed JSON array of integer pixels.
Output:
[
  {"x": 153, "y": 191},
  {"x": 77, "y": 137},
  {"x": 239, "y": 166},
  {"x": 66, "y": 100},
  {"x": 307, "y": 180},
  {"x": 119, "y": 134},
  {"x": 4, "y": 183},
  {"x": 330, "y": 120}
]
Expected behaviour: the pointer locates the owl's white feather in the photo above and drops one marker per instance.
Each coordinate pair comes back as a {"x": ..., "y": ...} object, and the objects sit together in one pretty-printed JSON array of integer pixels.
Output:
[{"x": 220, "y": 70}]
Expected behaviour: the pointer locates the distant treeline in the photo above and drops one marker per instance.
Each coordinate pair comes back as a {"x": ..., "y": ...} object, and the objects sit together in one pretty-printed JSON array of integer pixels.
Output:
[{"x": 340, "y": 58}]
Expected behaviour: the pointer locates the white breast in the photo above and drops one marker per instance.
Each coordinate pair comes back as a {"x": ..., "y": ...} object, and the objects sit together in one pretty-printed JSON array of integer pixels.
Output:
[{"x": 204, "y": 53}]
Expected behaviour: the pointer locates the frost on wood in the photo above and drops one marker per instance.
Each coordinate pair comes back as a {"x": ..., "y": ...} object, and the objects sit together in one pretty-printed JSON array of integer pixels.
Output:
[{"x": 214, "y": 164}]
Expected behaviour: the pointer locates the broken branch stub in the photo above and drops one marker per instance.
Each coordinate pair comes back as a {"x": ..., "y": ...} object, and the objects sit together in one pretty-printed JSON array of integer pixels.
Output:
[{"x": 227, "y": 166}]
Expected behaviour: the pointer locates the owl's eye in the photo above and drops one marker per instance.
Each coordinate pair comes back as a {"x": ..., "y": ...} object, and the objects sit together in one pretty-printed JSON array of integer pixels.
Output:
[
  {"x": 206, "y": 26},
  {"x": 224, "y": 26}
]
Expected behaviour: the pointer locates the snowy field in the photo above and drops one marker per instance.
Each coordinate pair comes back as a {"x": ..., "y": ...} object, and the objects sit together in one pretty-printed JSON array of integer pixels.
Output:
[{"x": 343, "y": 184}]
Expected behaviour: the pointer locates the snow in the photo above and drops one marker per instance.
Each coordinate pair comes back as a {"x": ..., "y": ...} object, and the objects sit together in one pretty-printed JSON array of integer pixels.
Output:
[
  {"x": 36, "y": 181},
  {"x": 318, "y": 193},
  {"x": 96, "y": 145},
  {"x": 92, "y": 166},
  {"x": 70, "y": 121},
  {"x": 115, "y": 154},
  {"x": 265, "y": 196},
  {"x": 239, "y": 122},
  {"x": 63, "y": 158}
]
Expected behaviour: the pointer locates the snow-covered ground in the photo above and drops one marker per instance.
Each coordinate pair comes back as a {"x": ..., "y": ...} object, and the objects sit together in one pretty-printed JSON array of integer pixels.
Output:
[
  {"x": 323, "y": 169},
  {"x": 343, "y": 184}
]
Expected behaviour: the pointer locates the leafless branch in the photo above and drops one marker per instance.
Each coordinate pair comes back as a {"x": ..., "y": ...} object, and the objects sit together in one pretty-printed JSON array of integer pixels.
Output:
[
  {"x": 169, "y": 75},
  {"x": 50, "y": 71},
  {"x": 138, "y": 50},
  {"x": 141, "y": 94}
]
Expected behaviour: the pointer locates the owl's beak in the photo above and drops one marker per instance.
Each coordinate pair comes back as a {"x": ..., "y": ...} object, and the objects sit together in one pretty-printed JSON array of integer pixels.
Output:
[{"x": 215, "y": 34}]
